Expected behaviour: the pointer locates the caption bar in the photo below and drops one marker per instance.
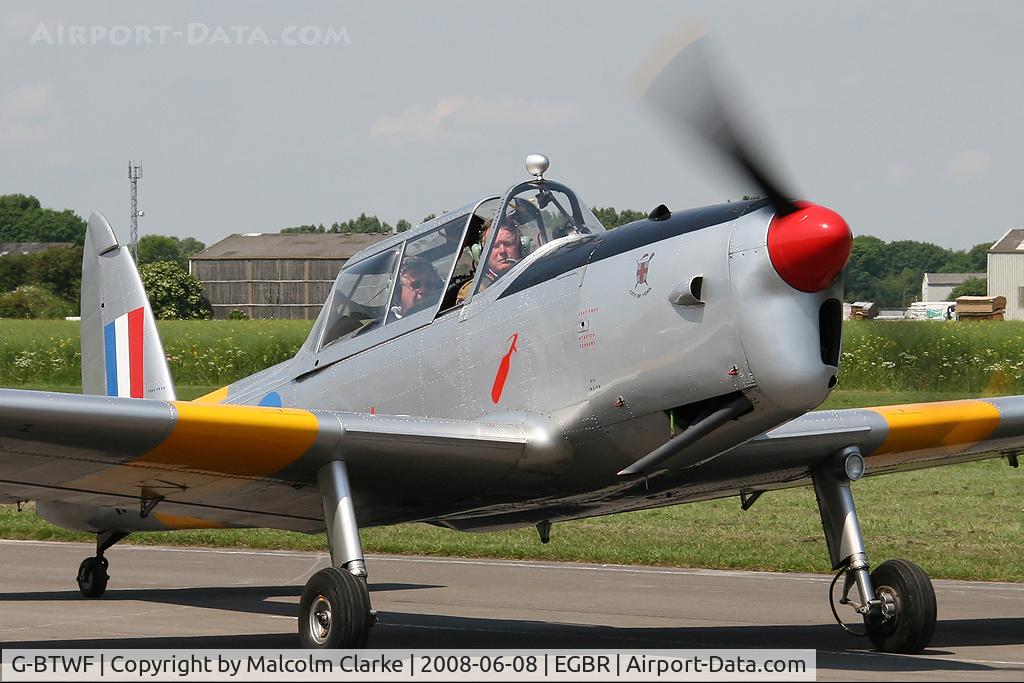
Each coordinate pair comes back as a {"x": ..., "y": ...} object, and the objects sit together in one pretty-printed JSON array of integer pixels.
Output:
[{"x": 393, "y": 665}]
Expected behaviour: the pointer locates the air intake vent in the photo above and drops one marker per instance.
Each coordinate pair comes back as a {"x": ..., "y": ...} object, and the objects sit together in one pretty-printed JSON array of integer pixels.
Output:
[{"x": 830, "y": 331}]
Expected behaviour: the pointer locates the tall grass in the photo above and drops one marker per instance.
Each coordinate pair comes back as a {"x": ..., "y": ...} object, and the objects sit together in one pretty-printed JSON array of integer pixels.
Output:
[
  {"x": 974, "y": 358},
  {"x": 208, "y": 352},
  {"x": 969, "y": 357}
]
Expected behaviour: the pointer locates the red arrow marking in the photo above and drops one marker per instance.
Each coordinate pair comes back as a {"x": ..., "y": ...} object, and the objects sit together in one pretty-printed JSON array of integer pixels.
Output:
[{"x": 503, "y": 367}]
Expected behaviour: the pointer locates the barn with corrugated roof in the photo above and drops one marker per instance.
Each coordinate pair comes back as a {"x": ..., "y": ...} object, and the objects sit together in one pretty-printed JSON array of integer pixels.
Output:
[{"x": 274, "y": 275}]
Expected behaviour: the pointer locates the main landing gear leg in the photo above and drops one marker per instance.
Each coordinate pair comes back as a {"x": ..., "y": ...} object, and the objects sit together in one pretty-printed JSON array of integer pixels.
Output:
[
  {"x": 334, "y": 611},
  {"x": 897, "y": 601},
  {"x": 92, "y": 573}
]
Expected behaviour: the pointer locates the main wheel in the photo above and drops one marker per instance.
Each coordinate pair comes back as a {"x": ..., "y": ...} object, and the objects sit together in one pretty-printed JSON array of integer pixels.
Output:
[
  {"x": 334, "y": 611},
  {"x": 908, "y": 619},
  {"x": 92, "y": 576}
]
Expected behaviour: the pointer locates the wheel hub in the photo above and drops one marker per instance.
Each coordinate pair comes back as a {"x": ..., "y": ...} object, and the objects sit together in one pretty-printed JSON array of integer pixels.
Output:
[
  {"x": 889, "y": 606},
  {"x": 320, "y": 619}
]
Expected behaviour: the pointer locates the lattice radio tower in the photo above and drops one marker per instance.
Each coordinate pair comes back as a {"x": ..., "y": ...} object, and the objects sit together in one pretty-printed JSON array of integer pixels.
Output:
[{"x": 134, "y": 175}]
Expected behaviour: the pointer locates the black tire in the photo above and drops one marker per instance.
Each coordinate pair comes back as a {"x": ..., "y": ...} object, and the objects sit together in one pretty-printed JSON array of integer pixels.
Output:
[
  {"x": 334, "y": 611},
  {"x": 92, "y": 576},
  {"x": 909, "y": 630}
]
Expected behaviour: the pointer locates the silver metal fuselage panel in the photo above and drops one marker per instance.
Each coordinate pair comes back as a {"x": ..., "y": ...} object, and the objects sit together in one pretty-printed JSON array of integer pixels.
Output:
[
  {"x": 587, "y": 361},
  {"x": 599, "y": 358}
]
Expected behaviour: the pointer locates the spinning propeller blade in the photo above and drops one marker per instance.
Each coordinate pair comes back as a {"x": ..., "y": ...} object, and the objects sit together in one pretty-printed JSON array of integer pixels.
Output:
[
  {"x": 676, "y": 82},
  {"x": 808, "y": 244}
]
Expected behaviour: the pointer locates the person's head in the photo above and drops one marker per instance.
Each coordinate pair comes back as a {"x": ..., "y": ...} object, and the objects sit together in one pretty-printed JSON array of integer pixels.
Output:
[
  {"x": 420, "y": 284},
  {"x": 507, "y": 248}
]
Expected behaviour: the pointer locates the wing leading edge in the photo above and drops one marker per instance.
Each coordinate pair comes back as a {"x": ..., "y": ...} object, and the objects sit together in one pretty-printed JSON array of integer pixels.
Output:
[
  {"x": 241, "y": 465},
  {"x": 902, "y": 437},
  {"x": 229, "y": 465}
]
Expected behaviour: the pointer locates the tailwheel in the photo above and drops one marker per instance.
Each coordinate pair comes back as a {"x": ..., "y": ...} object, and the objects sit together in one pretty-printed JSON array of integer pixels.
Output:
[
  {"x": 905, "y": 619},
  {"x": 334, "y": 611},
  {"x": 92, "y": 576}
]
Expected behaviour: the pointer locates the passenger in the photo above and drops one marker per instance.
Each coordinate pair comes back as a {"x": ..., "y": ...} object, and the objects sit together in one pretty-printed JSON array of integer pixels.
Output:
[
  {"x": 505, "y": 253},
  {"x": 420, "y": 286}
]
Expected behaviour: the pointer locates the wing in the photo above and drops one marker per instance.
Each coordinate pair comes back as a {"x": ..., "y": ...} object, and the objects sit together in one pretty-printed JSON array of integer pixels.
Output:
[
  {"x": 227, "y": 465},
  {"x": 892, "y": 438},
  {"x": 901, "y": 437}
]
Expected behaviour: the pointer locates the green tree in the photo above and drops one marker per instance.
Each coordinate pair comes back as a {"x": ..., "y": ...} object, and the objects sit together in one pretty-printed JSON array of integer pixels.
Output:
[
  {"x": 974, "y": 286},
  {"x": 362, "y": 224},
  {"x": 890, "y": 273},
  {"x": 977, "y": 258},
  {"x": 959, "y": 262},
  {"x": 973, "y": 260},
  {"x": 173, "y": 292},
  {"x": 897, "y": 289},
  {"x": 33, "y": 301},
  {"x": 867, "y": 264},
  {"x": 60, "y": 270},
  {"x": 402, "y": 225},
  {"x": 923, "y": 257},
  {"x": 154, "y": 248},
  {"x": 22, "y": 219},
  {"x": 189, "y": 247},
  {"x": 304, "y": 230},
  {"x": 611, "y": 218},
  {"x": 13, "y": 271}
]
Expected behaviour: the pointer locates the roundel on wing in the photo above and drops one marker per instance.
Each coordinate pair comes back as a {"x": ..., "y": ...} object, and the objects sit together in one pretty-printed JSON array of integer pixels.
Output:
[{"x": 271, "y": 400}]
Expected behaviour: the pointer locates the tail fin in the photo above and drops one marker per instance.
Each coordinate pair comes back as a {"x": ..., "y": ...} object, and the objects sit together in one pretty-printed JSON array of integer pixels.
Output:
[{"x": 121, "y": 350}]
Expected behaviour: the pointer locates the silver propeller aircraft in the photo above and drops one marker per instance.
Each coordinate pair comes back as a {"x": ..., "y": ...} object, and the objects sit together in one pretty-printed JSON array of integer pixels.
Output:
[{"x": 510, "y": 363}]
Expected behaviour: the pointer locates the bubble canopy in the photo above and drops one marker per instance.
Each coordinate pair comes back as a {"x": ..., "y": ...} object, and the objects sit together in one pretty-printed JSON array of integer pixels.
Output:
[
  {"x": 407, "y": 280},
  {"x": 530, "y": 215}
]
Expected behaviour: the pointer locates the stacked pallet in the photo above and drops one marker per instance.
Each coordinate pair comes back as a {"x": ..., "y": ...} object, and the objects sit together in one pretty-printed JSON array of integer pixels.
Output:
[
  {"x": 931, "y": 310},
  {"x": 863, "y": 310},
  {"x": 980, "y": 307}
]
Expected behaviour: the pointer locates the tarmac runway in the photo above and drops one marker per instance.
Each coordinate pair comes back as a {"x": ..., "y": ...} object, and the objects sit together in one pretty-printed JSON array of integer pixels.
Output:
[{"x": 197, "y": 598}]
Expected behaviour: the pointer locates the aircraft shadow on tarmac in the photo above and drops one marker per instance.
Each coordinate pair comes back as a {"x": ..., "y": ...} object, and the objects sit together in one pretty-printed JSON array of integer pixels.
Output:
[
  {"x": 269, "y": 600},
  {"x": 836, "y": 650}
]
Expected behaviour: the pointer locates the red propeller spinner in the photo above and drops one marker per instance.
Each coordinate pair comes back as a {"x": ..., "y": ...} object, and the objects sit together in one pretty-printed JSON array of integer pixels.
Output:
[{"x": 809, "y": 247}]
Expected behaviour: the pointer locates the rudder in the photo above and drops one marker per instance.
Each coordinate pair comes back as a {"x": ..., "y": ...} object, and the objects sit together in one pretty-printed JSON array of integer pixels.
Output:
[{"x": 121, "y": 350}]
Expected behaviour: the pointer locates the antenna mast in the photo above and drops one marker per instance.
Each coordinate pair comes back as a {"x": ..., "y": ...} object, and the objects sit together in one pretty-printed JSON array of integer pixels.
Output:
[{"x": 134, "y": 174}]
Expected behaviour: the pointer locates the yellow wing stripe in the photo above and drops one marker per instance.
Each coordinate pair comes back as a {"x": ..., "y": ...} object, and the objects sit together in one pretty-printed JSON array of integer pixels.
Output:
[
  {"x": 918, "y": 426},
  {"x": 215, "y": 396},
  {"x": 247, "y": 441},
  {"x": 184, "y": 522}
]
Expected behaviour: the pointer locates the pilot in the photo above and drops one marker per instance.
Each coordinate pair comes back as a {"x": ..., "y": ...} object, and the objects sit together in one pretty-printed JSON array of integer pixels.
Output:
[
  {"x": 420, "y": 286},
  {"x": 505, "y": 253}
]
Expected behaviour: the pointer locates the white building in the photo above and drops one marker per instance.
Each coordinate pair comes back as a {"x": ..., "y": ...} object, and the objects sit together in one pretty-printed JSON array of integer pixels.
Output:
[
  {"x": 938, "y": 286},
  {"x": 1006, "y": 272}
]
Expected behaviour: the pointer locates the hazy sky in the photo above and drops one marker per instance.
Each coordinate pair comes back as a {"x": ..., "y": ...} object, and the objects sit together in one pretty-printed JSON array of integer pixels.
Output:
[{"x": 903, "y": 116}]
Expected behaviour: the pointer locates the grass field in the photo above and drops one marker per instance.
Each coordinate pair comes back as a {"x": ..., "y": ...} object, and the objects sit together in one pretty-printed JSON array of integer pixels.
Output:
[
  {"x": 970, "y": 357},
  {"x": 964, "y": 521},
  {"x": 964, "y": 358},
  {"x": 202, "y": 353}
]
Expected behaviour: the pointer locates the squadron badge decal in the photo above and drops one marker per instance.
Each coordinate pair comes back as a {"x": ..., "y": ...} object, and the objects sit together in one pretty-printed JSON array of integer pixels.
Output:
[{"x": 641, "y": 288}]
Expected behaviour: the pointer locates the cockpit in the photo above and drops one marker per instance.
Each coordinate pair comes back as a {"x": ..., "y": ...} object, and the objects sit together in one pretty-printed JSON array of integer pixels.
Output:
[{"x": 409, "y": 279}]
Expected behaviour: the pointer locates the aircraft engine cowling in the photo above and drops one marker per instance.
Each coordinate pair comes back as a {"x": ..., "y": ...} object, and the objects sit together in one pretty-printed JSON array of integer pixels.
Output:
[{"x": 787, "y": 287}]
